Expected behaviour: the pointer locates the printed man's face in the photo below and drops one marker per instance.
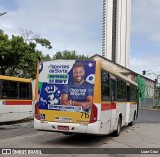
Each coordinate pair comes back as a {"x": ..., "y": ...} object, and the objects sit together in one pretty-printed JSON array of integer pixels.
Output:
[{"x": 78, "y": 74}]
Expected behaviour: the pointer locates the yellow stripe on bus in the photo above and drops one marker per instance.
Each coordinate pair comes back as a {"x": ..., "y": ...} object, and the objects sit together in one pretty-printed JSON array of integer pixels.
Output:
[
  {"x": 97, "y": 85},
  {"x": 76, "y": 117}
]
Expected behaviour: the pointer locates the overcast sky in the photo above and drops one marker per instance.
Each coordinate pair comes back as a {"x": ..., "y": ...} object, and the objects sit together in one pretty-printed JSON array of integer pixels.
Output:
[{"x": 77, "y": 25}]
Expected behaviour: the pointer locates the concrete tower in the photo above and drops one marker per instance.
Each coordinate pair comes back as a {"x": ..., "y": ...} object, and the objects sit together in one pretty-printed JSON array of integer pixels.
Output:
[{"x": 116, "y": 31}]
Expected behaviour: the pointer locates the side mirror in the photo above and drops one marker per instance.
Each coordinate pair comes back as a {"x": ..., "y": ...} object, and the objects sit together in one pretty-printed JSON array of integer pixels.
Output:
[{"x": 140, "y": 94}]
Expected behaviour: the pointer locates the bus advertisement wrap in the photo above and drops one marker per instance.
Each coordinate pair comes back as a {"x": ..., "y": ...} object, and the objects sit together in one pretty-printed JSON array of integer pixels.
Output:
[{"x": 66, "y": 87}]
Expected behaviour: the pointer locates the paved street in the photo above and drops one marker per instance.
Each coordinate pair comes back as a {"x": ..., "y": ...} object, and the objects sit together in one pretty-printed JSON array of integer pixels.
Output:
[
  {"x": 147, "y": 116},
  {"x": 140, "y": 135}
]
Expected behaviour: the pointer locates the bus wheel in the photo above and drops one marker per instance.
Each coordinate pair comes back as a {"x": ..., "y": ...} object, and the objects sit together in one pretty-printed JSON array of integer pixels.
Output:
[
  {"x": 117, "y": 132},
  {"x": 67, "y": 133}
]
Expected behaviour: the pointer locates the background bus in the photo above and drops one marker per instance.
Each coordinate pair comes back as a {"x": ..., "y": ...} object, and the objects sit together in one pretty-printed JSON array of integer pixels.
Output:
[
  {"x": 15, "y": 98},
  {"x": 114, "y": 98}
]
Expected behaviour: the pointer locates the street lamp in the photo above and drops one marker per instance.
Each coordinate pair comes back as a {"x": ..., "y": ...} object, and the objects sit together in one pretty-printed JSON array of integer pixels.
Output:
[{"x": 151, "y": 72}]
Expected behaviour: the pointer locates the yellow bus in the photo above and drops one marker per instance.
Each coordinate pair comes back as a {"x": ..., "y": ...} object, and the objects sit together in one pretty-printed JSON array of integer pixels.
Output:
[
  {"x": 15, "y": 98},
  {"x": 83, "y": 96}
]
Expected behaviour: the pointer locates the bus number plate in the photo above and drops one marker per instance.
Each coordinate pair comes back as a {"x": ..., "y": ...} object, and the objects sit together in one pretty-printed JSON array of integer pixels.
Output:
[{"x": 63, "y": 127}]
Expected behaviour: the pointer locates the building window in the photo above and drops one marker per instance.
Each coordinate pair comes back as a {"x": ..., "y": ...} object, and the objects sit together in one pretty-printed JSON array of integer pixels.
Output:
[{"x": 114, "y": 30}]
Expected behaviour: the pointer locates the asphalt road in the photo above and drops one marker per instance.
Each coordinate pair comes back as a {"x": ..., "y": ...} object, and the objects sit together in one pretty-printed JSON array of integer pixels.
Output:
[{"x": 148, "y": 116}]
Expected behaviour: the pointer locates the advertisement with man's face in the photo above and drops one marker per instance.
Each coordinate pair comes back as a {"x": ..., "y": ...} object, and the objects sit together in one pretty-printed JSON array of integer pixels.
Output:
[{"x": 66, "y": 89}]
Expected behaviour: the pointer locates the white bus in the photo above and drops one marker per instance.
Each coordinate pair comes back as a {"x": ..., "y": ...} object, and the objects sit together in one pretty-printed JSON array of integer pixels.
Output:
[
  {"x": 15, "y": 98},
  {"x": 83, "y": 96}
]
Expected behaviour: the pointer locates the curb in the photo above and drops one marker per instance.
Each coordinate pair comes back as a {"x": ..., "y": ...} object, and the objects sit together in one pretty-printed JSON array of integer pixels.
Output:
[{"x": 151, "y": 109}]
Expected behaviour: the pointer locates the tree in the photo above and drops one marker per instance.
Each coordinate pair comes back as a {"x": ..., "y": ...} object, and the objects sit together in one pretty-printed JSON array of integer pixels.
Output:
[
  {"x": 158, "y": 88},
  {"x": 17, "y": 57},
  {"x": 68, "y": 55},
  {"x": 29, "y": 36},
  {"x": 4, "y": 50},
  {"x": 46, "y": 57}
]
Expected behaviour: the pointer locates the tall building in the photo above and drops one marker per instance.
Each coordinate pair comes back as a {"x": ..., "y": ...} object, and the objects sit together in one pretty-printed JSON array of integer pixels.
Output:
[{"x": 116, "y": 31}]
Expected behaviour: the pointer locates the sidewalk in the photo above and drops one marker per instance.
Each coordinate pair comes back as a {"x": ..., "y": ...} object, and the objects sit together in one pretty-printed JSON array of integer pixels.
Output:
[{"x": 151, "y": 108}]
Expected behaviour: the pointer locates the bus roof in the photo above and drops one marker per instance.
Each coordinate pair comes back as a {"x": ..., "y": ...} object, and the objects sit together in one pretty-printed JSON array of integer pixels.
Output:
[
  {"x": 116, "y": 73},
  {"x": 11, "y": 78}
]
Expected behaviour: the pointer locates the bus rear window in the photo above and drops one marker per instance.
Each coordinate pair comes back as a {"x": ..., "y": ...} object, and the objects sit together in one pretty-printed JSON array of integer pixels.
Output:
[{"x": 14, "y": 89}]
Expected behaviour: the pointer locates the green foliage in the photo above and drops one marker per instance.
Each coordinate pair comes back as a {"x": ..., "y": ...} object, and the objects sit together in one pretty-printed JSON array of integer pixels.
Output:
[
  {"x": 158, "y": 89},
  {"x": 46, "y": 57},
  {"x": 17, "y": 58},
  {"x": 30, "y": 36},
  {"x": 69, "y": 55},
  {"x": 44, "y": 42},
  {"x": 142, "y": 86}
]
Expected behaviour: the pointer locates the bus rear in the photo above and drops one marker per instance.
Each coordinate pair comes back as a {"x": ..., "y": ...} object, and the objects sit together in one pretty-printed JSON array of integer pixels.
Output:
[{"x": 66, "y": 101}]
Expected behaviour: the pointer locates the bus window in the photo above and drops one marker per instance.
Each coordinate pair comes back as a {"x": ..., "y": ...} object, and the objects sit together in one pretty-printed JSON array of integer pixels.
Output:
[
  {"x": 133, "y": 93},
  {"x": 121, "y": 90},
  {"x": 105, "y": 86},
  {"x": 9, "y": 89},
  {"x": 113, "y": 89},
  {"x": 24, "y": 91},
  {"x": 128, "y": 92}
]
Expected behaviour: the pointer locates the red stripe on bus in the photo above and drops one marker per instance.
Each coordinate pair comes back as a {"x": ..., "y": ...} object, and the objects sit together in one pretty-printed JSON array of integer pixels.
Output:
[
  {"x": 108, "y": 106},
  {"x": 18, "y": 103}
]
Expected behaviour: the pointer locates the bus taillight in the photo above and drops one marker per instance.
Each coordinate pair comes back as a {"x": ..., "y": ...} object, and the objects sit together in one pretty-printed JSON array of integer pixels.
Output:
[
  {"x": 37, "y": 114},
  {"x": 94, "y": 114}
]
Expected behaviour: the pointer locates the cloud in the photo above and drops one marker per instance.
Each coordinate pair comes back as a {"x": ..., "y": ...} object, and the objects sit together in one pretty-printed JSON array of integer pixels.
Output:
[
  {"x": 146, "y": 62},
  {"x": 145, "y": 41},
  {"x": 71, "y": 24},
  {"x": 145, "y": 15}
]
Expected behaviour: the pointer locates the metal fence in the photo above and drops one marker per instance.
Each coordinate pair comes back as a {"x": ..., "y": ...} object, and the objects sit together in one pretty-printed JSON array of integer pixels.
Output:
[{"x": 147, "y": 102}]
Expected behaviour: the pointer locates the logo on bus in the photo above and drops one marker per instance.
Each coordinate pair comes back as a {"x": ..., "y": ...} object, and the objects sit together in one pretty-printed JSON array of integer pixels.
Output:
[{"x": 3, "y": 103}]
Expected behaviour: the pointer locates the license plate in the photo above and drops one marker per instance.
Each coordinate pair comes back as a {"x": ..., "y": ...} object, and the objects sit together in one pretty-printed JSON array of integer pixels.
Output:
[{"x": 63, "y": 127}]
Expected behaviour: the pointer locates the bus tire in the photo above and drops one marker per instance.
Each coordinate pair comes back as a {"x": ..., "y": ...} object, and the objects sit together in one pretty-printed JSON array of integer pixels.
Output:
[
  {"x": 119, "y": 125},
  {"x": 67, "y": 133}
]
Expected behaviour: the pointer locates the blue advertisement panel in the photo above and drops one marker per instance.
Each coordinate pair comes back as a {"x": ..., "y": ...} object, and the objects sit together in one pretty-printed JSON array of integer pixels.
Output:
[{"x": 66, "y": 85}]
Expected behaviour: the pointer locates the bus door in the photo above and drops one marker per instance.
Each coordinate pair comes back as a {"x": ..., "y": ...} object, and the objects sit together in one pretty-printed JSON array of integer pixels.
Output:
[{"x": 113, "y": 103}]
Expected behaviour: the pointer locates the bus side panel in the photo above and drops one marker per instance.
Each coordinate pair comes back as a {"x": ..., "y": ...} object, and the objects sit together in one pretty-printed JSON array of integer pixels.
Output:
[
  {"x": 105, "y": 122},
  {"x": 133, "y": 110},
  {"x": 128, "y": 113},
  {"x": 105, "y": 117},
  {"x": 121, "y": 109},
  {"x": 26, "y": 110},
  {"x": 8, "y": 112}
]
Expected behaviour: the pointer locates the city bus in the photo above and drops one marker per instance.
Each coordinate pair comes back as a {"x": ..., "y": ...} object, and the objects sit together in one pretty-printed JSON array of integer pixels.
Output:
[
  {"x": 15, "y": 98},
  {"x": 89, "y": 99}
]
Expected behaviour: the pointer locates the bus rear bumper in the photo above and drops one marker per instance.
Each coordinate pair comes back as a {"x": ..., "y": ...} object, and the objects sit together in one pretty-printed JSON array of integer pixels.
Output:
[
  {"x": 59, "y": 127},
  {"x": 92, "y": 128}
]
